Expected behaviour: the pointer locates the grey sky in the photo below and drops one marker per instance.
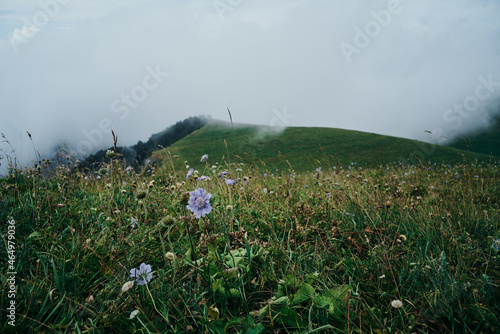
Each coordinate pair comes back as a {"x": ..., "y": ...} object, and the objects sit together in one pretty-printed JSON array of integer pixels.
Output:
[{"x": 70, "y": 68}]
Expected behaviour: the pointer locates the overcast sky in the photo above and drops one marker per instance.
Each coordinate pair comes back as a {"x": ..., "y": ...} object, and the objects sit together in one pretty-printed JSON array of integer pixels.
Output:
[{"x": 70, "y": 70}]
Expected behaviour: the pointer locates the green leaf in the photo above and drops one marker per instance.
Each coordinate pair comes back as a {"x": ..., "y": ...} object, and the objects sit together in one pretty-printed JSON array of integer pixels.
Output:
[
  {"x": 216, "y": 284},
  {"x": 247, "y": 324},
  {"x": 212, "y": 247},
  {"x": 264, "y": 311},
  {"x": 334, "y": 300},
  {"x": 261, "y": 252},
  {"x": 281, "y": 301},
  {"x": 188, "y": 254},
  {"x": 292, "y": 281},
  {"x": 235, "y": 293},
  {"x": 311, "y": 278},
  {"x": 248, "y": 249},
  {"x": 35, "y": 234},
  {"x": 182, "y": 227},
  {"x": 217, "y": 327},
  {"x": 234, "y": 261},
  {"x": 289, "y": 317},
  {"x": 303, "y": 294},
  {"x": 232, "y": 322},
  {"x": 339, "y": 292},
  {"x": 259, "y": 328},
  {"x": 212, "y": 269}
]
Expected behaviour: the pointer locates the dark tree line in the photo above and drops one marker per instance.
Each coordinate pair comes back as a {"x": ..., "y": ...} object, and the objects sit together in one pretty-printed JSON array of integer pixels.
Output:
[{"x": 137, "y": 154}]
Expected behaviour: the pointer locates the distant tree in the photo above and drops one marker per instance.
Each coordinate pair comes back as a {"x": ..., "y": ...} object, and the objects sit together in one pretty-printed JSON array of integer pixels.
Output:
[{"x": 136, "y": 154}]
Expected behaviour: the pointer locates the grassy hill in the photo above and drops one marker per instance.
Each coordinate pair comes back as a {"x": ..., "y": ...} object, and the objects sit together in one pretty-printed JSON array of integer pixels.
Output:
[{"x": 302, "y": 148}]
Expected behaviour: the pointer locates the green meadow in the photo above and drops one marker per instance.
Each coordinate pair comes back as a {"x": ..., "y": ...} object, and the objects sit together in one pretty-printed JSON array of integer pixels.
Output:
[
  {"x": 305, "y": 231},
  {"x": 304, "y": 149}
]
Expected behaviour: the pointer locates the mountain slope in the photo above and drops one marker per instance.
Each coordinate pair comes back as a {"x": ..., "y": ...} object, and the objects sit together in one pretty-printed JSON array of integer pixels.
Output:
[
  {"x": 302, "y": 148},
  {"x": 487, "y": 141}
]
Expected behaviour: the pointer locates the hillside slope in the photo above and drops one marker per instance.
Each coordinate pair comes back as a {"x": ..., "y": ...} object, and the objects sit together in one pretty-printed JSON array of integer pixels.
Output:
[
  {"x": 301, "y": 147},
  {"x": 486, "y": 141}
]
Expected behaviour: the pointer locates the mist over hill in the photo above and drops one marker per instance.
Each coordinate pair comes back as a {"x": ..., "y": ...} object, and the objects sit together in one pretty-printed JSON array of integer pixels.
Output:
[{"x": 486, "y": 141}]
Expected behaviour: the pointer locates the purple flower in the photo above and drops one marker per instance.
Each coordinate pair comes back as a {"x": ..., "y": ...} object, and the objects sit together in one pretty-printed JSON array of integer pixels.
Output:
[
  {"x": 199, "y": 202},
  {"x": 265, "y": 174},
  {"x": 230, "y": 182},
  {"x": 204, "y": 158},
  {"x": 142, "y": 275},
  {"x": 190, "y": 171},
  {"x": 203, "y": 177}
]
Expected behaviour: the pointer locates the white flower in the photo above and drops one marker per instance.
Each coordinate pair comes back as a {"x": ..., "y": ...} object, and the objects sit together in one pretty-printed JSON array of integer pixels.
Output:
[
  {"x": 397, "y": 303},
  {"x": 127, "y": 286},
  {"x": 170, "y": 256},
  {"x": 110, "y": 154},
  {"x": 133, "y": 314},
  {"x": 90, "y": 299}
]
